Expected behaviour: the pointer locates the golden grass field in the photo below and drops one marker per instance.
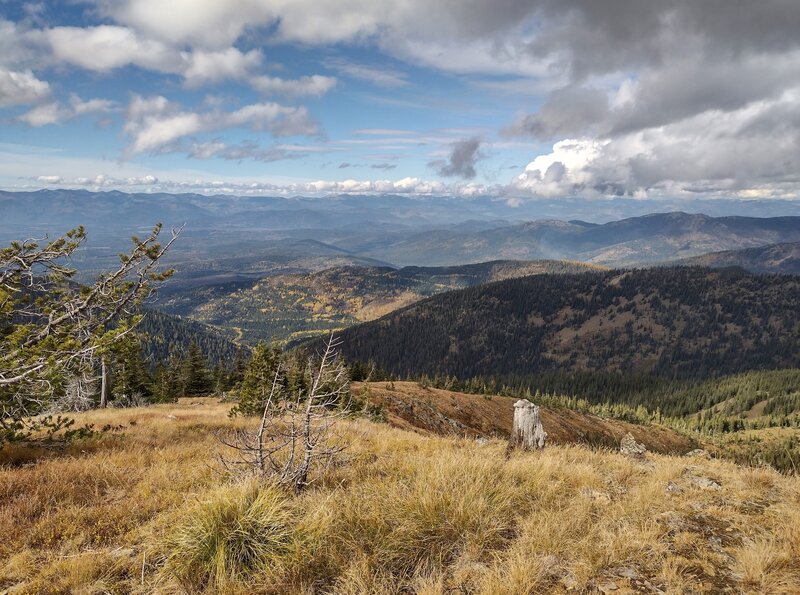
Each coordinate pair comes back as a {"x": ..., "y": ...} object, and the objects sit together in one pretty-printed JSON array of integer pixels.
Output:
[{"x": 150, "y": 510}]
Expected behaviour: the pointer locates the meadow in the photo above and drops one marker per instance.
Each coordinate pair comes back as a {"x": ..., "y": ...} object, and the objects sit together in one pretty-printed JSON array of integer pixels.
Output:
[{"x": 148, "y": 508}]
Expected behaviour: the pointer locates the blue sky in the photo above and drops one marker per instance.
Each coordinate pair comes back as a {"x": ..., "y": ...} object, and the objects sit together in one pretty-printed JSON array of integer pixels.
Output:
[{"x": 522, "y": 99}]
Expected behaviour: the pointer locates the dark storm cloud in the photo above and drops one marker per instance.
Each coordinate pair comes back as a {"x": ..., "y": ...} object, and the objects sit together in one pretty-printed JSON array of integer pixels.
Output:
[
  {"x": 668, "y": 95},
  {"x": 462, "y": 160},
  {"x": 568, "y": 111}
]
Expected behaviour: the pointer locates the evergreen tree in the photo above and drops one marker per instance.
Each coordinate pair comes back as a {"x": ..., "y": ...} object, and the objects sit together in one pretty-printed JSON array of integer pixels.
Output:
[
  {"x": 165, "y": 384},
  {"x": 258, "y": 378},
  {"x": 130, "y": 378},
  {"x": 195, "y": 377}
]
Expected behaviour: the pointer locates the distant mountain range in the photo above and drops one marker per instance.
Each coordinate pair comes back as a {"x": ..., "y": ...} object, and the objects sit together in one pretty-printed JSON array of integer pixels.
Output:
[
  {"x": 679, "y": 322},
  {"x": 633, "y": 241},
  {"x": 228, "y": 238},
  {"x": 292, "y": 306},
  {"x": 773, "y": 258}
]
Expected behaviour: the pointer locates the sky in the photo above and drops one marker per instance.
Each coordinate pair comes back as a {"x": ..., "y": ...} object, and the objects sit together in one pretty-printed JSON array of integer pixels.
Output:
[{"x": 519, "y": 99}]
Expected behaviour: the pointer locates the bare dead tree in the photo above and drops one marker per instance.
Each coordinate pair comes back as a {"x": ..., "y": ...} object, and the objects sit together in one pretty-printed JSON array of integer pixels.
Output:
[{"x": 296, "y": 434}]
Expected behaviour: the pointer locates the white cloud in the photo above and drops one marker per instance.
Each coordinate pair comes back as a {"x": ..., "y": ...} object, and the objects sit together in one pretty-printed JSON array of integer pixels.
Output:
[
  {"x": 156, "y": 124},
  {"x": 218, "y": 148},
  {"x": 55, "y": 112},
  {"x": 383, "y": 77},
  {"x": 209, "y": 24},
  {"x": 106, "y": 47},
  {"x": 90, "y": 106},
  {"x": 45, "y": 114},
  {"x": 235, "y": 186},
  {"x": 213, "y": 66},
  {"x": 315, "y": 85},
  {"x": 19, "y": 88},
  {"x": 751, "y": 151}
]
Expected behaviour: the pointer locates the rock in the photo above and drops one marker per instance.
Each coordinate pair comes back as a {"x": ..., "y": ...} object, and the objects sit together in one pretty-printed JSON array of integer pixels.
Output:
[
  {"x": 628, "y": 572},
  {"x": 481, "y": 441},
  {"x": 607, "y": 586},
  {"x": 570, "y": 581},
  {"x": 673, "y": 520},
  {"x": 121, "y": 553},
  {"x": 705, "y": 483},
  {"x": 698, "y": 452},
  {"x": 630, "y": 448},
  {"x": 673, "y": 488}
]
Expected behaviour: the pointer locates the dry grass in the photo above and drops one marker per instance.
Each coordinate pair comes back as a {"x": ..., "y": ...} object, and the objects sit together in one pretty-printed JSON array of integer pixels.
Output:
[{"x": 150, "y": 511}]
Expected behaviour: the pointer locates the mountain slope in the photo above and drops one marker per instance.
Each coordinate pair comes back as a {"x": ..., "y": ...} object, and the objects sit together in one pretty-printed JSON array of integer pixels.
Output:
[
  {"x": 292, "y": 306},
  {"x": 678, "y": 322},
  {"x": 163, "y": 335},
  {"x": 636, "y": 240},
  {"x": 774, "y": 258}
]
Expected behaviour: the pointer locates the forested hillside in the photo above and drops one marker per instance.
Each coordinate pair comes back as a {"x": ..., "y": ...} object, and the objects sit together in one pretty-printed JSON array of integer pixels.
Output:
[
  {"x": 292, "y": 306},
  {"x": 680, "y": 322},
  {"x": 163, "y": 335}
]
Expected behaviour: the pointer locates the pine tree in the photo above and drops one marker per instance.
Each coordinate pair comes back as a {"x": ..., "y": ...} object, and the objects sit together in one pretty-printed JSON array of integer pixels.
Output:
[
  {"x": 195, "y": 377},
  {"x": 258, "y": 378},
  {"x": 165, "y": 384},
  {"x": 130, "y": 378}
]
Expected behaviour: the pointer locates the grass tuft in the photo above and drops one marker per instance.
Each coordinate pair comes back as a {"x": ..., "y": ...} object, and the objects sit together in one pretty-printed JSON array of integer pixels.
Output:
[{"x": 230, "y": 536}]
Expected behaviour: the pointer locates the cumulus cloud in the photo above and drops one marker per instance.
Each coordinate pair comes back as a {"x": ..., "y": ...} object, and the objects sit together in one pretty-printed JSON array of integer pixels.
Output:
[
  {"x": 461, "y": 162},
  {"x": 156, "y": 124},
  {"x": 106, "y": 47},
  {"x": 19, "y": 88},
  {"x": 211, "y": 23},
  {"x": 54, "y": 112},
  {"x": 639, "y": 97},
  {"x": 45, "y": 114},
  {"x": 50, "y": 179},
  {"x": 409, "y": 186},
  {"x": 213, "y": 66},
  {"x": 754, "y": 150},
  {"x": 667, "y": 98}
]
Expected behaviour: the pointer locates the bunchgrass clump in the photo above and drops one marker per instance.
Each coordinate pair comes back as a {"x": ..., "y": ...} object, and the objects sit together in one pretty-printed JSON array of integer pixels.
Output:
[{"x": 233, "y": 534}]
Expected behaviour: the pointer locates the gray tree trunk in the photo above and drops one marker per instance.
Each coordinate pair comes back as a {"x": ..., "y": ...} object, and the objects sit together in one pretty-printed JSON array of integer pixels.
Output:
[
  {"x": 527, "y": 433},
  {"x": 103, "y": 383}
]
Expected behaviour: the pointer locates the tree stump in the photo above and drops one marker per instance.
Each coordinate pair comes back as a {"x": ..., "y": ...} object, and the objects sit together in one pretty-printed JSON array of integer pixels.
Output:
[{"x": 527, "y": 433}]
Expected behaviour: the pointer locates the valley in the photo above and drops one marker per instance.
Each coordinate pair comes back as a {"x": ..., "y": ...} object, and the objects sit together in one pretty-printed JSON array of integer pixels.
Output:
[{"x": 290, "y": 307}]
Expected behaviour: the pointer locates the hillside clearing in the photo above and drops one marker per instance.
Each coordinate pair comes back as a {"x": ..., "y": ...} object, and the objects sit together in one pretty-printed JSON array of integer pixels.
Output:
[{"x": 408, "y": 405}]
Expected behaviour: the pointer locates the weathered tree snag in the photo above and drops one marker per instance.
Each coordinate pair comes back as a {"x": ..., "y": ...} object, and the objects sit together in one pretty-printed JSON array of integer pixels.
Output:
[
  {"x": 527, "y": 433},
  {"x": 103, "y": 383}
]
